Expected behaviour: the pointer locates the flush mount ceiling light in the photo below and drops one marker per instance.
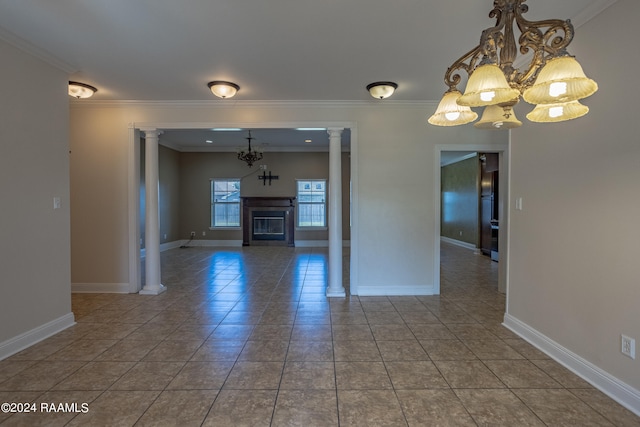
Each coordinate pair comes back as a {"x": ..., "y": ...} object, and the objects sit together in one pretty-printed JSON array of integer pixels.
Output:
[
  {"x": 250, "y": 155},
  {"x": 223, "y": 89},
  {"x": 382, "y": 90},
  {"x": 551, "y": 79},
  {"x": 81, "y": 90}
]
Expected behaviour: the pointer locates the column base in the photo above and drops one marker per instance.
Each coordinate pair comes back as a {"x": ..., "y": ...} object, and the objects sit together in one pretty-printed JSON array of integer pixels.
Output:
[
  {"x": 336, "y": 293},
  {"x": 155, "y": 290}
]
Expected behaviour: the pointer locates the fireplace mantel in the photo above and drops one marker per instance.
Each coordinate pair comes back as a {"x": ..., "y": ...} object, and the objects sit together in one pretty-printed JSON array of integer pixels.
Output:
[{"x": 285, "y": 204}]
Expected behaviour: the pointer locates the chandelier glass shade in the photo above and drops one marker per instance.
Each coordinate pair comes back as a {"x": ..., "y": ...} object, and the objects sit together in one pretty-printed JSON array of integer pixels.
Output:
[
  {"x": 487, "y": 86},
  {"x": 549, "y": 113},
  {"x": 249, "y": 155},
  {"x": 560, "y": 80},
  {"x": 550, "y": 78},
  {"x": 498, "y": 117},
  {"x": 450, "y": 113}
]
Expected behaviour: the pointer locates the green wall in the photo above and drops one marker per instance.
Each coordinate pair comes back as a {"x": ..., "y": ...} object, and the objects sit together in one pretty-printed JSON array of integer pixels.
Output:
[{"x": 459, "y": 216}]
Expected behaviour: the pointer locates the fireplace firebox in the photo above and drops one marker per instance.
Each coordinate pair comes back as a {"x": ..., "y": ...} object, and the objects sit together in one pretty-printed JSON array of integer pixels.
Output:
[
  {"x": 268, "y": 221},
  {"x": 268, "y": 225}
]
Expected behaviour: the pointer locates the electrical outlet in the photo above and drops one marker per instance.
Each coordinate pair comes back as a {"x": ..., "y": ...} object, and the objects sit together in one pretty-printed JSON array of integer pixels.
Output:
[
  {"x": 204, "y": 234},
  {"x": 193, "y": 234},
  {"x": 628, "y": 346}
]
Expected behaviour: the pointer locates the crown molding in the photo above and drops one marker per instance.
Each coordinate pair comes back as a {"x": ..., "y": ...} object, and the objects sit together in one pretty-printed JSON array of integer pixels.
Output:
[
  {"x": 226, "y": 104},
  {"x": 590, "y": 12},
  {"x": 584, "y": 16},
  {"x": 25, "y": 46}
]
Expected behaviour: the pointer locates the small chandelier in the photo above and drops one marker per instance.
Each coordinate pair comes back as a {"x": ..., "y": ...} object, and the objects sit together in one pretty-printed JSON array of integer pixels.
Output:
[
  {"x": 81, "y": 90},
  {"x": 552, "y": 80},
  {"x": 249, "y": 155}
]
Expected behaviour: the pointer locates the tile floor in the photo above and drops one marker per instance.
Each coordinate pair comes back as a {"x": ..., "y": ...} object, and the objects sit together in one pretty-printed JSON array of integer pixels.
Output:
[{"x": 246, "y": 337}]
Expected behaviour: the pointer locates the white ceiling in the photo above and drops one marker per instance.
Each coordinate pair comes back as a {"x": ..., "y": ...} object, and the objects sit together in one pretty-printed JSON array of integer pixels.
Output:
[{"x": 318, "y": 50}]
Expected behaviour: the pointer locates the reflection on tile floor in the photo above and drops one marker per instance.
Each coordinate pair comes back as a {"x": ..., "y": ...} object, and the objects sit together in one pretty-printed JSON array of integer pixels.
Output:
[{"x": 246, "y": 337}]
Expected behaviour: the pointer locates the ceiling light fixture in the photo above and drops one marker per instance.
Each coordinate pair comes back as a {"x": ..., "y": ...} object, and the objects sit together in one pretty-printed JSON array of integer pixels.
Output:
[
  {"x": 81, "y": 90},
  {"x": 552, "y": 78},
  {"x": 381, "y": 90},
  {"x": 223, "y": 89},
  {"x": 250, "y": 155}
]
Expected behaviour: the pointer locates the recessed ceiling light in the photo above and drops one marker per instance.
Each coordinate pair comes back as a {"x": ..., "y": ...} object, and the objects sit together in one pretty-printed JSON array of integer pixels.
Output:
[
  {"x": 208, "y": 141},
  {"x": 308, "y": 141}
]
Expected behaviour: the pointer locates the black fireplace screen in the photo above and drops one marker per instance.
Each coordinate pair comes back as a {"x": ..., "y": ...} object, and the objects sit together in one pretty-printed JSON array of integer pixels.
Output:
[{"x": 268, "y": 225}]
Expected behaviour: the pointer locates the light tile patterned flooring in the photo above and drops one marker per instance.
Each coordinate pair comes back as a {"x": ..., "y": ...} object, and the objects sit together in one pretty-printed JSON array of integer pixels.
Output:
[{"x": 246, "y": 337}]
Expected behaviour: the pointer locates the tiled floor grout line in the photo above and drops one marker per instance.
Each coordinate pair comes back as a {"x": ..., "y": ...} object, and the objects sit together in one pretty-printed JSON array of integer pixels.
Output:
[{"x": 279, "y": 295}]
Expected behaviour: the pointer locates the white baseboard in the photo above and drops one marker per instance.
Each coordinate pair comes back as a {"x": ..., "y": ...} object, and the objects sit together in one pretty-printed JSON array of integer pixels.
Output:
[
  {"x": 370, "y": 291},
  {"x": 238, "y": 243},
  {"x": 100, "y": 288},
  {"x": 166, "y": 246},
  {"x": 318, "y": 243},
  {"x": 29, "y": 338},
  {"x": 208, "y": 243},
  {"x": 622, "y": 393},
  {"x": 458, "y": 242}
]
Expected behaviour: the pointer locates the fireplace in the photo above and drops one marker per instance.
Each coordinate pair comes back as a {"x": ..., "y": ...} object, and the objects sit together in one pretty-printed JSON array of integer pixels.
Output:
[{"x": 268, "y": 221}]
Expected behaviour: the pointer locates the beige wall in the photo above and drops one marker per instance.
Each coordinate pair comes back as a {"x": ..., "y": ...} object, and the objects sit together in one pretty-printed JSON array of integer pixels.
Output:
[
  {"x": 170, "y": 199},
  {"x": 34, "y": 168},
  {"x": 197, "y": 169},
  {"x": 574, "y": 272}
]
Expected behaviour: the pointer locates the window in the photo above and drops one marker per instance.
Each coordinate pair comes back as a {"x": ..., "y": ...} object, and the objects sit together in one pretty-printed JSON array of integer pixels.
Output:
[
  {"x": 225, "y": 203},
  {"x": 312, "y": 204}
]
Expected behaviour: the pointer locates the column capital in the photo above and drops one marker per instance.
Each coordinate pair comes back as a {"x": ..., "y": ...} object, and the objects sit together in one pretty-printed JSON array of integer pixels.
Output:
[
  {"x": 333, "y": 132},
  {"x": 151, "y": 132}
]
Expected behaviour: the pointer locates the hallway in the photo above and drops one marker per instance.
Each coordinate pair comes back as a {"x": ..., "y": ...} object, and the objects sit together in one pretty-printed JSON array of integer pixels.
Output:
[{"x": 246, "y": 336}]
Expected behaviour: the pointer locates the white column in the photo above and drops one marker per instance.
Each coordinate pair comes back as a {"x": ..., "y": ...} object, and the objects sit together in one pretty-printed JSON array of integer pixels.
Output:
[
  {"x": 152, "y": 215},
  {"x": 335, "y": 288}
]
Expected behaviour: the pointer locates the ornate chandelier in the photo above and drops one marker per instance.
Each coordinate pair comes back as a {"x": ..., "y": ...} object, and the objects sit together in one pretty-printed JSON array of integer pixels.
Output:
[
  {"x": 249, "y": 155},
  {"x": 552, "y": 79}
]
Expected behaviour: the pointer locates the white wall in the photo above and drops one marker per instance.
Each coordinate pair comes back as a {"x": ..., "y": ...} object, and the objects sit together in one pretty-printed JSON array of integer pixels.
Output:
[
  {"x": 574, "y": 271},
  {"x": 392, "y": 170},
  {"x": 34, "y": 168}
]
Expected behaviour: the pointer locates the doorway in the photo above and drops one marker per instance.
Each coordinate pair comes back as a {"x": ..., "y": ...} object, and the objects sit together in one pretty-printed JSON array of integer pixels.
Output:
[
  {"x": 444, "y": 152},
  {"x": 134, "y": 187}
]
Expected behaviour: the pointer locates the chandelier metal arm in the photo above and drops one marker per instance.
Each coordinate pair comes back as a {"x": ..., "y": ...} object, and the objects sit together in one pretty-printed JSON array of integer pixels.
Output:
[
  {"x": 453, "y": 78},
  {"x": 547, "y": 38}
]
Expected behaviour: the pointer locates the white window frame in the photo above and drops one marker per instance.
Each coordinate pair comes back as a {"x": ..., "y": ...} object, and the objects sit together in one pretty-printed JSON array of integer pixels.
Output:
[
  {"x": 214, "y": 202},
  {"x": 301, "y": 203}
]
